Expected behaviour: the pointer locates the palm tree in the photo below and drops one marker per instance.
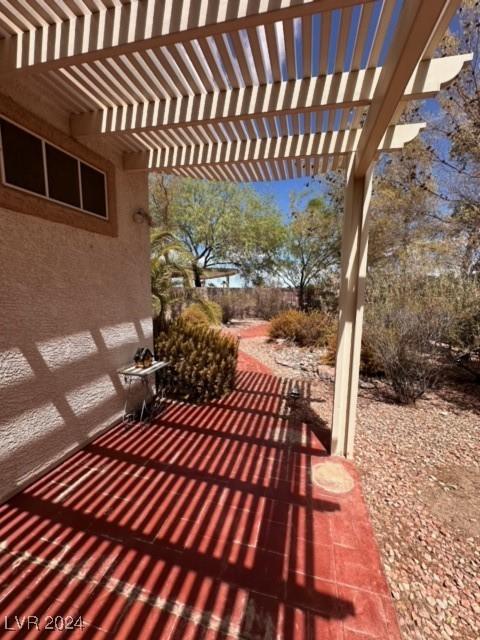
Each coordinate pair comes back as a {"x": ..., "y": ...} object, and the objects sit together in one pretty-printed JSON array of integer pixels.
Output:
[{"x": 169, "y": 260}]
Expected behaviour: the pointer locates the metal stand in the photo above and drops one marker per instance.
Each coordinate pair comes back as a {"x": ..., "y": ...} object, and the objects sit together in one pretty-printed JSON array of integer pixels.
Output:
[{"x": 149, "y": 400}]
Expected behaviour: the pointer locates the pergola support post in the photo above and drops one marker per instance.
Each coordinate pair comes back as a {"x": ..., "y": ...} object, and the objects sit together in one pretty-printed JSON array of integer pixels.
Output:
[{"x": 351, "y": 303}]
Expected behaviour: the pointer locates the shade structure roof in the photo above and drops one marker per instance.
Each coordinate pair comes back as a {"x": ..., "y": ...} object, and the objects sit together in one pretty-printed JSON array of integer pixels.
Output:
[{"x": 240, "y": 90}]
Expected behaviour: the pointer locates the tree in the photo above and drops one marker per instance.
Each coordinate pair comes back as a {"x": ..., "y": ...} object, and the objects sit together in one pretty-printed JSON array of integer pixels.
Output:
[
  {"x": 455, "y": 143},
  {"x": 404, "y": 223},
  {"x": 220, "y": 224},
  {"x": 311, "y": 247},
  {"x": 403, "y": 215},
  {"x": 169, "y": 262},
  {"x": 429, "y": 195}
]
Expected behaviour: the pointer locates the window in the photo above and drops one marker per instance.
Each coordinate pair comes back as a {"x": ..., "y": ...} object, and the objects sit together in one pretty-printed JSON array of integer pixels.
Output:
[
  {"x": 30, "y": 163},
  {"x": 62, "y": 175},
  {"x": 93, "y": 190},
  {"x": 22, "y": 159}
]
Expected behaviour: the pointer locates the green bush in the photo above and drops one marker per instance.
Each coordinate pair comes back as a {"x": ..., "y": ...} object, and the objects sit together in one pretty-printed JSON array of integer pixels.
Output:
[
  {"x": 407, "y": 316},
  {"x": 203, "y": 361},
  {"x": 212, "y": 310},
  {"x": 286, "y": 325},
  {"x": 195, "y": 315},
  {"x": 304, "y": 329},
  {"x": 203, "y": 312},
  {"x": 369, "y": 363}
]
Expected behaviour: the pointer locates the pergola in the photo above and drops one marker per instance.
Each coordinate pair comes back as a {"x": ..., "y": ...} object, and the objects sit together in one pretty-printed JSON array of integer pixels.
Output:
[{"x": 243, "y": 90}]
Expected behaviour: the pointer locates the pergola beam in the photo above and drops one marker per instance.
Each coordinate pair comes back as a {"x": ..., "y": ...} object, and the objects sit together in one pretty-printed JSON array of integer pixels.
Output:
[
  {"x": 341, "y": 90},
  {"x": 261, "y": 170},
  {"x": 351, "y": 302},
  {"x": 416, "y": 23},
  {"x": 145, "y": 24},
  {"x": 331, "y": 143}
]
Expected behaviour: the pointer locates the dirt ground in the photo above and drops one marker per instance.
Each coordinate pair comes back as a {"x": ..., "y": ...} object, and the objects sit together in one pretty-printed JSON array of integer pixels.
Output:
[{"x": 420, "y": 468}]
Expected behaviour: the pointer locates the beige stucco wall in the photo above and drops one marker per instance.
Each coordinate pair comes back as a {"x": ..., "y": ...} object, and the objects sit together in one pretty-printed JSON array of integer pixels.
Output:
[{"x": 73, "y": 307}]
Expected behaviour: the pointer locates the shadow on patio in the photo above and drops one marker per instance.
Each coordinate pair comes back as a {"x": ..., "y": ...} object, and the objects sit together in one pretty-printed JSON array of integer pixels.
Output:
[{"x": 204, "y": 524}]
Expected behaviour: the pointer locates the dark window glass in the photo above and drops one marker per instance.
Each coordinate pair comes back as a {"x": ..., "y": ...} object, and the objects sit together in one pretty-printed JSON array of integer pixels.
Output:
[
  {"x": 93, "y": 190},
  {"x": 22, "y": 158},
  {"x": 62, "y": 173}
]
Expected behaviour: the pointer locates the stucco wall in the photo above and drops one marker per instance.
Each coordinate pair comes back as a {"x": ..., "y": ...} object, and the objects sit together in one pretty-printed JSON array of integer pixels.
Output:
[{"x": 73, "y": 307}]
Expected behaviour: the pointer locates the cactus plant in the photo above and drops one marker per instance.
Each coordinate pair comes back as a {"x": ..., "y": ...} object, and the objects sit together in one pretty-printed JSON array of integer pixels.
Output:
[{"x": 203, "y": 360}]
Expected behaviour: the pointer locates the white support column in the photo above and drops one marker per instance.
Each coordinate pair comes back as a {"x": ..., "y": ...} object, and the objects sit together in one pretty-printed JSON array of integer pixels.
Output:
[{"x": 351, "y": 303}]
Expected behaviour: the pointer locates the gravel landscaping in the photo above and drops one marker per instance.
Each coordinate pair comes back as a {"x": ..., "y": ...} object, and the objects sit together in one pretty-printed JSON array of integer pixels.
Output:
[{"x": 421, "y": 479}]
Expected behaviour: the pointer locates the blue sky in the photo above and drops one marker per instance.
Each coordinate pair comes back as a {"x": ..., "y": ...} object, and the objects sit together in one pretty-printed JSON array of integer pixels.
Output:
[{"x": 280, "y": 191}]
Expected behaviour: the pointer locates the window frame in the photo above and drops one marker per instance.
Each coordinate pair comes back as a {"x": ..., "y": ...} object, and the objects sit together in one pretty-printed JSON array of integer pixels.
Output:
[{"x": 44, "y": 142}]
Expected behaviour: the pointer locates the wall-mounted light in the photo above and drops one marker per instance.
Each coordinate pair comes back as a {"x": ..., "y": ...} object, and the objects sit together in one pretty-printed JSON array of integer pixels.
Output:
[{"x": 140, "y": 215}]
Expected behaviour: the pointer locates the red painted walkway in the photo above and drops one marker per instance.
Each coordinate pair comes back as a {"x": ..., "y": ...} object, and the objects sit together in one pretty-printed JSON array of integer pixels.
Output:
[
  {"x": 250, "y": 364},
  {"x": 254, "y": 331},
  {"x": 203, "y": 525},
  {"x": 246, "y": 362}
]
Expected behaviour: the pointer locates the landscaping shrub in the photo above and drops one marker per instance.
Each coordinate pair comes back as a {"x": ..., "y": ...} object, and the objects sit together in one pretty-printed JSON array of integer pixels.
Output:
[
  {"x": 203, "y": 360},
  {"x": 405, "y": 348},
  {"x": 315, "y": 329},
  {"x": 212, "y": 310},
  {"x": 323, "y": 296},
  {"x": 462, "y": 335},
  {"x": 286, "y": 325},
  {"x": 406, "y": 319},
  {"x": 415, "y": 324},
  {"x": 330, "y": 355},
  {"x": 234, "y": 303},
  {"x": 369, "y": 364},
  {"x": 203, "y": 312},
  {"x": 304, "y": 329},
  {"x": 195, "y": 315}
]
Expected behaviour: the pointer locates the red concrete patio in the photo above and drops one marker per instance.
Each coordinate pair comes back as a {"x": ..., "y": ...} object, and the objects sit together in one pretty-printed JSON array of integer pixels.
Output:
[{"x": 205, "y": 524}]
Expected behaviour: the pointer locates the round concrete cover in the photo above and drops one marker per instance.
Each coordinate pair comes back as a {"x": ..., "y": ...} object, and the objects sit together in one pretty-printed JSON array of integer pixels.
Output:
[{"x": 333, "y": 477}]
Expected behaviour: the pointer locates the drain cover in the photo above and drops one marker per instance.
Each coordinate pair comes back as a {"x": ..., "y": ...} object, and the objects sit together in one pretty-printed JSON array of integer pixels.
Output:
[{"x": 333, "y": 477}]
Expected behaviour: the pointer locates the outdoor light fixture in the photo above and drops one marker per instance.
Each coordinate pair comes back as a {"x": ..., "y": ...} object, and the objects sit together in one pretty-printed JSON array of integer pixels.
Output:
[
  {"x": 140, "y": 215},
  {"x": 295, "y": 393}
]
